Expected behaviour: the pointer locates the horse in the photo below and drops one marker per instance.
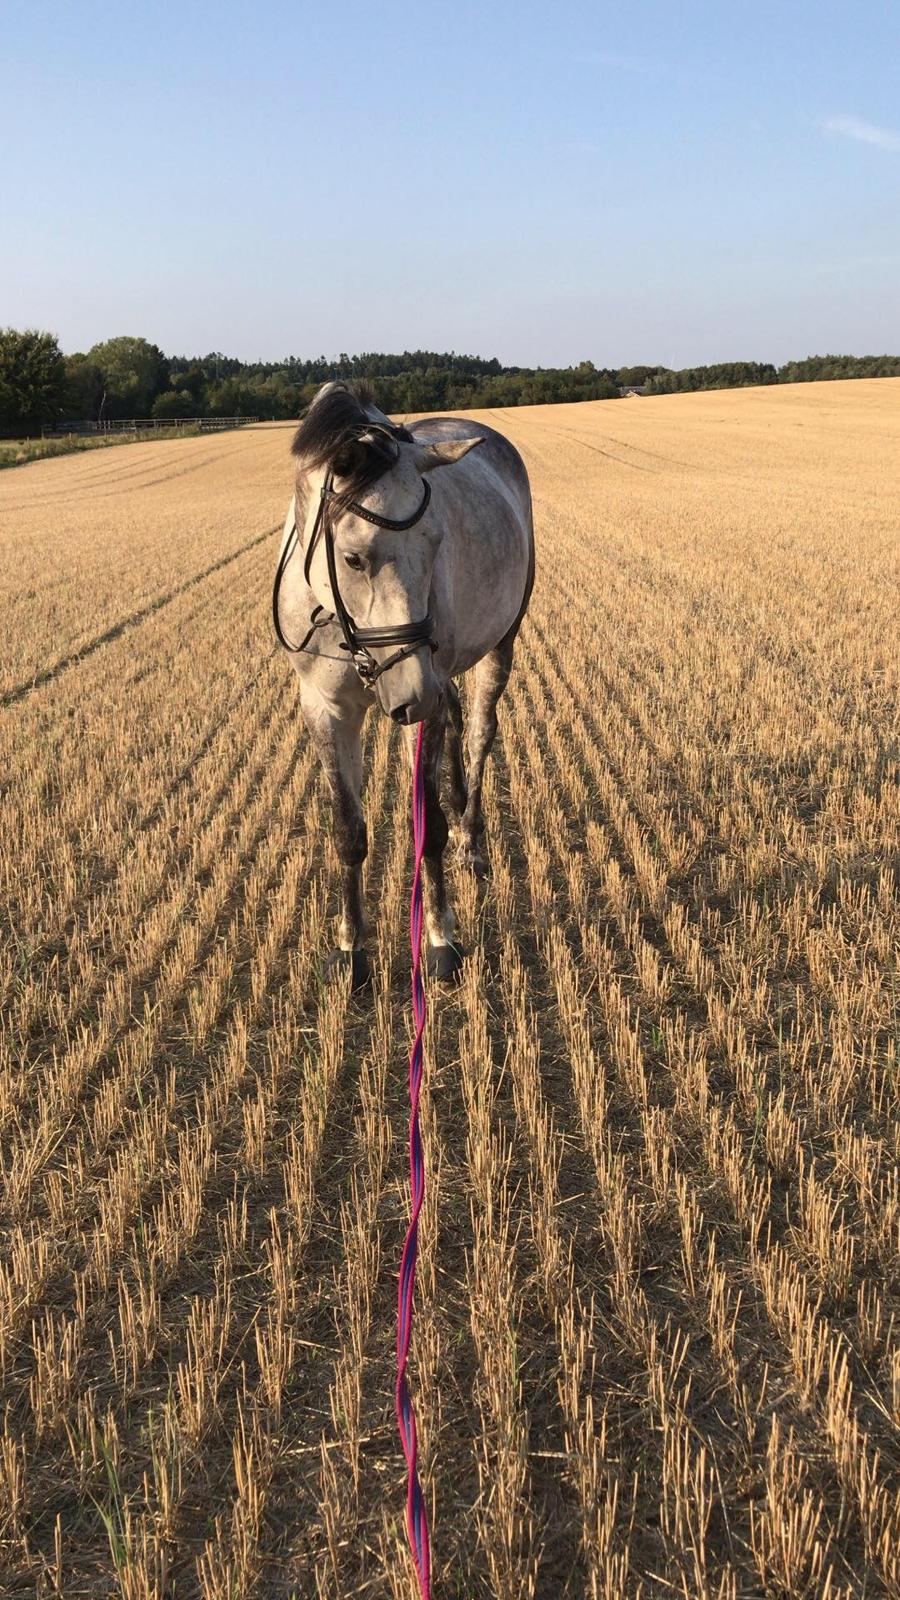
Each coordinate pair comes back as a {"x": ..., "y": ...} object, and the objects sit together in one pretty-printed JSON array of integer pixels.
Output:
[{"x": 407, "y": 558}]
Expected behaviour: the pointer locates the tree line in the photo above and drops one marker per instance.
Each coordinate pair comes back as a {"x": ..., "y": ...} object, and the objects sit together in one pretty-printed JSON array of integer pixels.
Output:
[{"x": 130, "y": 377}]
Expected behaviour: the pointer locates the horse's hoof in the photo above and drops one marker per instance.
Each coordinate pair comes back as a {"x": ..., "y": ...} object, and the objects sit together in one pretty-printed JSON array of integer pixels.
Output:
[
  {"x": 473, "y": 861},
  {"x": 356, "y": 962},
  {"x": 444, "y": 962}
]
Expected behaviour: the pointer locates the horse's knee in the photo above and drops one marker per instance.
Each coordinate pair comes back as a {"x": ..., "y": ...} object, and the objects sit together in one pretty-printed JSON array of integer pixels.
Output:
[
  {"x": 437, "y": 830},
  {"x": 351, "y": 838},
  {"x": 458, "y": 793}
]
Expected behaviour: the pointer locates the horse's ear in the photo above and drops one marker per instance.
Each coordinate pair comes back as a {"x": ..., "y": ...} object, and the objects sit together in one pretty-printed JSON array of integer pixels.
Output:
[{"x": 442, "y": 452}]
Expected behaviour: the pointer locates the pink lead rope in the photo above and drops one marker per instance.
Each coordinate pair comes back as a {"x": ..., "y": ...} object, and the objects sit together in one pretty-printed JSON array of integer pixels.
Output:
[{"x": 416, "y": 1516}]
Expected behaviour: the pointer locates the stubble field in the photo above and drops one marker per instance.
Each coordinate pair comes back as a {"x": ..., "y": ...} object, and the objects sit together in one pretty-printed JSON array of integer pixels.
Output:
[{"x": 656, "y": 1348}]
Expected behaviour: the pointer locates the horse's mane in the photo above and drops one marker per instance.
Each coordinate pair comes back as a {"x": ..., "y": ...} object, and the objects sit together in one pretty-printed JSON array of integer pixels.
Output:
[{"x": 330, "y": 434}]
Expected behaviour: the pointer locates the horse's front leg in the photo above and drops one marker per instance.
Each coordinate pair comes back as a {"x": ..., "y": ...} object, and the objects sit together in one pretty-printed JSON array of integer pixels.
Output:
[
  {"x": 491, "y": 678},
  {"x": 443, "y": 954},
  {"x": 337, "y": 741}
]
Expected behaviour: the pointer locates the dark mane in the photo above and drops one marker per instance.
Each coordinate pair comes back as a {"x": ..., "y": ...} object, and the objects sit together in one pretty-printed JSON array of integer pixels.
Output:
[{"x": 330, "y": 434}]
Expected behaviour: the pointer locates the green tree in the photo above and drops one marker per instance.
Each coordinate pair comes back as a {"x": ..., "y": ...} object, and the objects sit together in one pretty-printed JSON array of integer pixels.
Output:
[
  {"x": 819, "y": 367},
  {"x": 193, "y": 379},
  {"x": 232, "y": 398},
  {"x": 135, "y": 372},
  {"x": 32, "y": 378},
  {"x": 174, "y": 403},
  {"x": 84, "y": 389}
]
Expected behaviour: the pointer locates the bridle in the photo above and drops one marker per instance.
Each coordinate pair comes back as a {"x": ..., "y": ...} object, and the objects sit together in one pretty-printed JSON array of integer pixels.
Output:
[{"x": 359, "y": 642}]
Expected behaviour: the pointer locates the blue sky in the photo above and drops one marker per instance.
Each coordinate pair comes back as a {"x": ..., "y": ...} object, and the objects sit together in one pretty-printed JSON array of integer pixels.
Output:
[{"x": 662, "y": 180}]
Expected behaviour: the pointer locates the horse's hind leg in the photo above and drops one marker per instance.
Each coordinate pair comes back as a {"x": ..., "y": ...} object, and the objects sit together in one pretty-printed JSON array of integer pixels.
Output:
[
  {"x": 443, "y": 955},
  {"x": 491, "y": 678},
  {"x": 337, "y": 741}
]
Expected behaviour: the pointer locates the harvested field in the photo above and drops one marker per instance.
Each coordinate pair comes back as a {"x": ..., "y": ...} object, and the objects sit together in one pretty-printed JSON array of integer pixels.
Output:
[
  {"x": 656, "y": 1348},
  {"x": 19, "y": 452}
]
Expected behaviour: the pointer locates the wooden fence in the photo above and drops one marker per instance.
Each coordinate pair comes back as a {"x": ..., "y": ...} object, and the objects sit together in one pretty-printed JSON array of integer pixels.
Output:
[{"x": 147, "y": 425}]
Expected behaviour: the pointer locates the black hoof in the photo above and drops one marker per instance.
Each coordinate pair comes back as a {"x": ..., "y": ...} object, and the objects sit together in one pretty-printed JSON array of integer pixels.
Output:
[
  {"x": 476, "y": 863},
  {"x": 444, "y": 962},
  {"x": 356, "y": 962}
]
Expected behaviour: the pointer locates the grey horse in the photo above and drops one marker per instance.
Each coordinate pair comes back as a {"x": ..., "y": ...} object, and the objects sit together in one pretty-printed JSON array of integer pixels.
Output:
[{"x": 394, "y": 578}]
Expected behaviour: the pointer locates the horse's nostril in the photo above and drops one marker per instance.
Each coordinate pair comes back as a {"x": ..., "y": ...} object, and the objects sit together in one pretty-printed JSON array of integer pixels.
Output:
[{"x": 401, "y": 713}]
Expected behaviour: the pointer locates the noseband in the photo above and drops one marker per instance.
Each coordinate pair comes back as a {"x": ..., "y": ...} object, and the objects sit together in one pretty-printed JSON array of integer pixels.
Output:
[{"x": 359, "y": 642}]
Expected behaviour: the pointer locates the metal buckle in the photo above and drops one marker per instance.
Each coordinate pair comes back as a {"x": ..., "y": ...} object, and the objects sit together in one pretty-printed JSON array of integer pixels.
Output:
[{"x": 365, "y": 666}]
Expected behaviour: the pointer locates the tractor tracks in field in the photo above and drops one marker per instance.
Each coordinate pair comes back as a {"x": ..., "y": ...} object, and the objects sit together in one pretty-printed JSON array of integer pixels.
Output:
[
  {"x": 20, "y": 691},
  {"x": 660, "y": 461},
  {"x": 105, "y": 484}
]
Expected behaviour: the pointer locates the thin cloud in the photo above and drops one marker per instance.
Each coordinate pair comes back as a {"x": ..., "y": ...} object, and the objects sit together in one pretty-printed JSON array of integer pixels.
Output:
[{"x": 864, "y": 132}]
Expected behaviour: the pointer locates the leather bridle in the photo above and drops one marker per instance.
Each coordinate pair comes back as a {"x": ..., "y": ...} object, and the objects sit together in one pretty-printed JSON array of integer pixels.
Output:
[{"x": 359, "y": 642}]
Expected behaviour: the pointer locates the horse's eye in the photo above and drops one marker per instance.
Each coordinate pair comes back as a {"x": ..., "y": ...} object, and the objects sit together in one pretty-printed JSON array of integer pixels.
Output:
[{"x": 354, "y": 562}]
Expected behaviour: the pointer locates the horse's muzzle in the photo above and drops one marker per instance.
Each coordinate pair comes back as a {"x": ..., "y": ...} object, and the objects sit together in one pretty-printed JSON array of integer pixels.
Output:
[
  {"x": 406, "y": 715},
  {"x": 409, "y": 692}
]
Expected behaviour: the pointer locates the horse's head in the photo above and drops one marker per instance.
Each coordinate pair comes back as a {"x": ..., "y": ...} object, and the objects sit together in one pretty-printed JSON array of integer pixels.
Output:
[{"x": 384, "y": 534}]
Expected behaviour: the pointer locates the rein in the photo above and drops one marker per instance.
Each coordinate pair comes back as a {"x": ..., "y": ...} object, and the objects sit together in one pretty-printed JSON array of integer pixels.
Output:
[
  {"x": 358, "y": 642},
  {"x": 416, "y": 1514}
]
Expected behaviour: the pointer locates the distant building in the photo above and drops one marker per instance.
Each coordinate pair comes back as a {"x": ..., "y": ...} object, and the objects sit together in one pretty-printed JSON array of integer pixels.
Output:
[{"x": 627, "y": 389}]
